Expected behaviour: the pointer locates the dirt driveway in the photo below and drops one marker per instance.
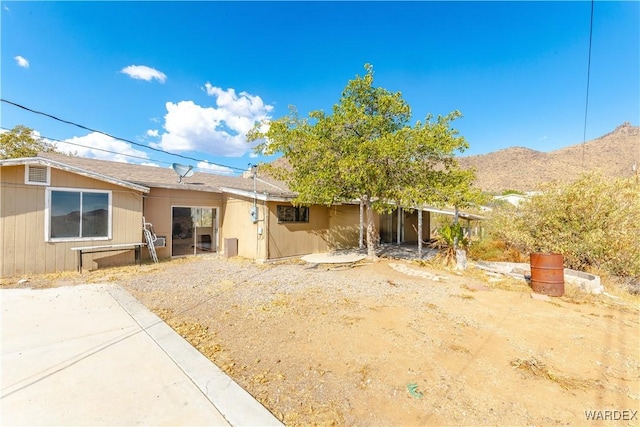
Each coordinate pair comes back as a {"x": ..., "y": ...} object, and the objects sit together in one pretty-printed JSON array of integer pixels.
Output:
[{"x": 395, "y": 343}]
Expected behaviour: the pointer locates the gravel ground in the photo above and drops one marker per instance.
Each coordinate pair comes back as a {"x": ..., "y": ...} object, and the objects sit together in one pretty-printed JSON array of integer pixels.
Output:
[{"x": 394, "y": 342}]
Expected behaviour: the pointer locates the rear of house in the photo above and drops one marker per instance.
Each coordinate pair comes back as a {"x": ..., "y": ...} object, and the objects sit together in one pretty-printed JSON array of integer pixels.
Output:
[{"x": 52, "y": 203}]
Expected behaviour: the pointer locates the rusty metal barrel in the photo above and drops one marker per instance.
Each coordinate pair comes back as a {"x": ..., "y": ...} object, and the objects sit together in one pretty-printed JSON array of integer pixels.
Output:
[{"x": 547, "y": 274}]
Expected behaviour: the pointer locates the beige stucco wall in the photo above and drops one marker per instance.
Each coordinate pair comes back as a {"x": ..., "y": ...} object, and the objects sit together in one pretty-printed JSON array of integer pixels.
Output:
[
  {"x": 236, "y": 224},
  {"x": 411, "y": 227},
  {"x": 269, "y": 239},
  {"x": 344, "y": 223},
  {"x": 329, "y": 228},
  {"x": 22, "y": 225},
  {"x": 293, "y": 239}
]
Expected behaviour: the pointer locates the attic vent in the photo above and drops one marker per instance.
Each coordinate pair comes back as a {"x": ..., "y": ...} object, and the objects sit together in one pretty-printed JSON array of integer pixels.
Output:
[{"x": 38, "y": 175}]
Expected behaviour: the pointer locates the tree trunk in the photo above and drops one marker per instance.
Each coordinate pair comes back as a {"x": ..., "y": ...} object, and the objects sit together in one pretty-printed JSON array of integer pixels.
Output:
[{"x": 371, "y": 230}]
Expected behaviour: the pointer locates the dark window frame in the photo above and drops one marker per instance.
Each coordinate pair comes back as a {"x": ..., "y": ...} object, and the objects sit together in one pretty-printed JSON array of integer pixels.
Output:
[{"x": 288, "y": 214}]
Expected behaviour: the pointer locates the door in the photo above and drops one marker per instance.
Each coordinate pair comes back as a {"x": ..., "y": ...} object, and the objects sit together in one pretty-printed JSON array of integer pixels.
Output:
[
  {"x": 194, "y": 230},
  {"x": 389, "y": 227}
]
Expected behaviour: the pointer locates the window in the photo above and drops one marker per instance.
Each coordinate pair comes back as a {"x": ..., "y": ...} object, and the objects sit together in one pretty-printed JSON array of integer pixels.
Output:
[
  {"x": 37, "y": 175},
  {"x": 293, "y": 213},
  {"x": 194, "y": 230},
  {"x": 78, "y": 215}
]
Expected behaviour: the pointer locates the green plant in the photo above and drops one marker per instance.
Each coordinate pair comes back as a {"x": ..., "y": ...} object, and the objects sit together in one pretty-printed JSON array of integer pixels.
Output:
[
  {"x": 508, "y": 192},
  {"x": 451, "y": 237}
]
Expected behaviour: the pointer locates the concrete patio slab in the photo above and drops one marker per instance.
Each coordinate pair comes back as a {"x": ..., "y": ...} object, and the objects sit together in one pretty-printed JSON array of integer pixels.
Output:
[
  {"x": 93, "y": 355},
  {"x": 386, "y": 250}
]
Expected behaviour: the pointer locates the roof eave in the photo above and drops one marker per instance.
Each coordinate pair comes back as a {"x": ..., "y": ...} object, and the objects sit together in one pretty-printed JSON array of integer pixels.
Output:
[
  {"x": 68, "y": 168},
  {"x": 185, "y": 186},
  {"x": 265, "y": 197}
]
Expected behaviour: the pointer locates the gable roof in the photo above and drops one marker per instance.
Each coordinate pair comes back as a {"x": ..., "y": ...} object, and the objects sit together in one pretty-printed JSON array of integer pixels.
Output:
[
  {"x": 43, "y": 161},
  {"x": 143, "y": 178}
]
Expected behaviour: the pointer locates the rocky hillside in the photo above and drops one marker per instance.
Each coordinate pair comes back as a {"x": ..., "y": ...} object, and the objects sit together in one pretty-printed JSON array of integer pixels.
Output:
[{"x": 522, "y": 169}]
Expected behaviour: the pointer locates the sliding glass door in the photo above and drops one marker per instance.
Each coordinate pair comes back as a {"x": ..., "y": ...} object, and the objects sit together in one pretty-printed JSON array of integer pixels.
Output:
[{"x": 194, "y": 230}]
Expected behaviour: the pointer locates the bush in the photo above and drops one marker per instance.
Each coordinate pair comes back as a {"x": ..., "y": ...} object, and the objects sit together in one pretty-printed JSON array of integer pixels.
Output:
[
  {"x": 593, "y": 222},
  {"x": 451, "y": 237},
  {"x": 491, "y": 249}
]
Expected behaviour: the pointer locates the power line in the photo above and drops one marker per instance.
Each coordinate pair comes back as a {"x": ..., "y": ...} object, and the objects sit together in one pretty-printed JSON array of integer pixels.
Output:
[
  {"x": 586, "y": 106},
  {"x": 98, "y": 149},
  {"x": 115, "y": 137}
]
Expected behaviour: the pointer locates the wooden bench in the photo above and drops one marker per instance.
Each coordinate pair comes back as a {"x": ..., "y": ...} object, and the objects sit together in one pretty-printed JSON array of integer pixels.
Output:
[{"x": 109, "y": 248}]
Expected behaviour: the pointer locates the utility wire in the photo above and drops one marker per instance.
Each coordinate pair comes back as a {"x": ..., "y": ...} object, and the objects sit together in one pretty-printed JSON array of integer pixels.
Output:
[
  {"x": 98, "y": 149},
  {"x": 115, "y": 137},
  {"x": 586, "y": 106}
]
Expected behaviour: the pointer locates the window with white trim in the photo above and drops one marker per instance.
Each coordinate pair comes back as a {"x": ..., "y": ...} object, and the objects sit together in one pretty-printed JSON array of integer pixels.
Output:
[{"x": 78, "y": 214}]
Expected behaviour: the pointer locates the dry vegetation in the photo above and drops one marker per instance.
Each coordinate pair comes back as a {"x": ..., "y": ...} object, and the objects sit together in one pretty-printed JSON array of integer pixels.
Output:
[
  {"x": 370, "y": 345},
  {"x": 594, "y": 222}
]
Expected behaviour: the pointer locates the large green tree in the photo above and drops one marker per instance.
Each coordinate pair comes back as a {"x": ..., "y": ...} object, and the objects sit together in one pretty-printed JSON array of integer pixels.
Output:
[
  {"x": 22, "y": 142},
  {"x": 365, "y": 150}
]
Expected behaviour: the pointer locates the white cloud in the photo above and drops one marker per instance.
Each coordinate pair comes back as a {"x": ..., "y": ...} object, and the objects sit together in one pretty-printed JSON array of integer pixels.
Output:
[
  {"x": 142, "y": 72},
  {"x": 153, "y": 133},
  {"x": 22, "y": 61},
  {"x": 220, "y": 131},
  {"x": 243, "y": 105},
  {"x": 87, "y": 147},
  {"x": 208, "y": 167}
]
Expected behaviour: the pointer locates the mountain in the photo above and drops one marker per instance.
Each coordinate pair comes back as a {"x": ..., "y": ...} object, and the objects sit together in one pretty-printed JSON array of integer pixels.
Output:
[{"x": 523, "y": 169}]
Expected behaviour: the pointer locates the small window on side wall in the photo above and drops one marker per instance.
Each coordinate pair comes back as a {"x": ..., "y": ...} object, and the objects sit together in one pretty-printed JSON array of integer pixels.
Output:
[{"x": 292, "y": 213}]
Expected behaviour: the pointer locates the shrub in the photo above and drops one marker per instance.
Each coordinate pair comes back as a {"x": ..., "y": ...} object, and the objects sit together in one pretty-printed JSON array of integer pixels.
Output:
[
  {"x": 491, "y": 249},
  {"x": 451, "y": 237},
  {"x": 593, "y": 222}
]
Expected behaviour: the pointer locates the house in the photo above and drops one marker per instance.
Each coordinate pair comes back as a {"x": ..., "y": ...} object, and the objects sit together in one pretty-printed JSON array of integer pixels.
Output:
[
  {"x": 52, "y": 203},
  {"x": 513, "y": 198}
]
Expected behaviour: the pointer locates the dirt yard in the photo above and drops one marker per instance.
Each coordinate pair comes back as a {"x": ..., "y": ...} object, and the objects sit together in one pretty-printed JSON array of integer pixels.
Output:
[{"x": 397, "y": 343}]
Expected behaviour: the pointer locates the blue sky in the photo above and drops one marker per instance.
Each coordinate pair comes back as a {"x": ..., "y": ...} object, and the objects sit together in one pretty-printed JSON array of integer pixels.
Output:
[{"x": 191, "y": 77}]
